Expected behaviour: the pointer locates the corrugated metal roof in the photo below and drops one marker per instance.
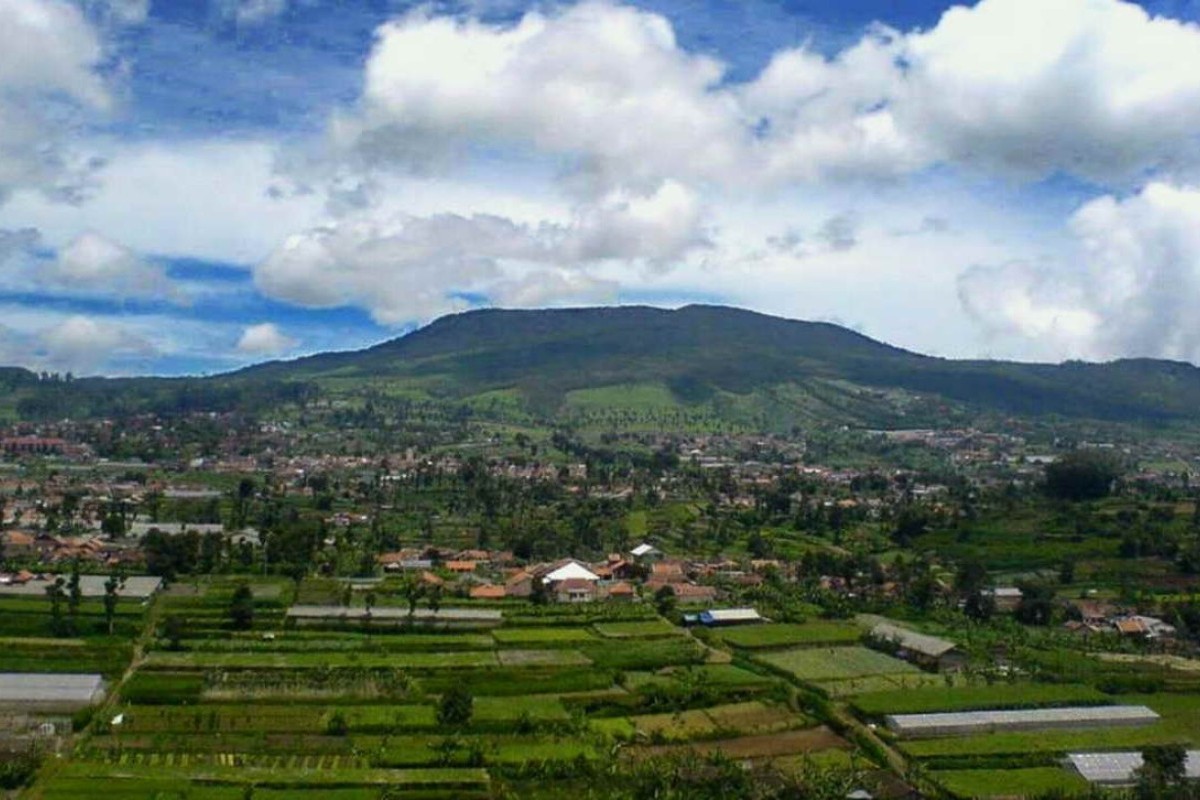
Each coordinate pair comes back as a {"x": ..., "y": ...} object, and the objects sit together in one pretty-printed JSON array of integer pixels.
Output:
[
  {"x": 911, "y": 640},
  {"x": 49, "y": 688},
  {"x": 730, "y": 615},
  {"x": 1116, "y": 768},
  {"x": 949, "y": 723}
]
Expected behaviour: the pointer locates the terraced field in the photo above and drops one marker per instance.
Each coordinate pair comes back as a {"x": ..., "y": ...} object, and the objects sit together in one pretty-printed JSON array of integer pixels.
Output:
[{"x": 351, "y": 712}]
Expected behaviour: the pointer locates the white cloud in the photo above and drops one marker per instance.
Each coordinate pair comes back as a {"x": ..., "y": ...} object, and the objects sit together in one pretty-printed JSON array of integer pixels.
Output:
[
  {"x": 405, "y": 267},
  {"x": 94, "y": 264},
  {"x": 48, "y": 59},
  {"x": 86, "y": 345},
  {"x": 1097, "y": 88},
  {"x": 198, "y": 199},
  {"x": 264, "y": 339},
  {"x": 1129, "y": 288},
  {"x": 606, "y": 83}
]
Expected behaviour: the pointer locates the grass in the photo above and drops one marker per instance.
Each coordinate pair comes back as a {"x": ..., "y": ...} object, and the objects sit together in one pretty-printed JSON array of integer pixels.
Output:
[
  {"x": 831, "y": 663},
  {"x": 720, "y": 675},
  {"x": 648, "y": 629},
  {"x": 816, "y": 632},
  {"x": 276, "y": 661},
  {"x": 542, "y": 658},
  {"x": 645, "y": 654},
  {"x": 1009, "y": 782},
  {"x": 973, "y": 698},
  {"x": 549, "y": 636}
]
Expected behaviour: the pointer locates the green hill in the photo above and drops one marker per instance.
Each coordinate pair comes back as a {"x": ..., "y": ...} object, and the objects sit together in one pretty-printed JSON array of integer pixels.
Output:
[{"x": 718, "y": 362}]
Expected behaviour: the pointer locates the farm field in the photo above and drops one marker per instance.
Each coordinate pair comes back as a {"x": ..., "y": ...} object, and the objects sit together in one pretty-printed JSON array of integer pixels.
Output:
[
  {"x": 971, "y": 698},
  {"x": 1025, "y": 762},
  {"x": 816, "y": 632},
  {"x": 835, "y": 663},
  {"x": 348, "y": 711}
]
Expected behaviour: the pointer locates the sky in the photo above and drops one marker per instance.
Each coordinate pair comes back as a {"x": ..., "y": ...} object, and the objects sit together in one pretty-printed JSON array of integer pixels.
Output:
[{"x": 190, "y": 186}]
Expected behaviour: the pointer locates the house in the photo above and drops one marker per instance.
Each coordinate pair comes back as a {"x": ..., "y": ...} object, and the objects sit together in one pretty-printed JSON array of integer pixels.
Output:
[
  {"x": 18, "y": 544},
  {"x": 461, "y": 567},
  {"x": 520, "y": 584},
  {"x": 929, "y": 652},
  {"x": 429, "y": 579},
  {"x": 1144, "y": 627},
  {"x": 621, "y": 591},
  {"x": 646, "y": 552},
  {"x": 730, "y": 616},
  {"x": 1006, "y": 598},
  {"x": 686, "y": 592},
  {"x": 667, "y": 572},
  {"x": 569, "y": 570},
  {"x": 574, "y": 590},
  {"x": 488, "y": 591}
]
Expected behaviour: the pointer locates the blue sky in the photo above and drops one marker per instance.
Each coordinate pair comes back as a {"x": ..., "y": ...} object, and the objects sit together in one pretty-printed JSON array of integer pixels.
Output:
[{"x": 188, "y": 187}]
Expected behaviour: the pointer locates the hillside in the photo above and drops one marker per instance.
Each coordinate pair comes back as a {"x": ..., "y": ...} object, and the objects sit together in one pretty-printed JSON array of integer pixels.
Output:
[{"x": 721, "y": 362}]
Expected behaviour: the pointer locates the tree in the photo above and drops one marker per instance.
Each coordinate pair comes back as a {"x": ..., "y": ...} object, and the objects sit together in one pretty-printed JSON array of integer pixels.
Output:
[
  {"x": 434, "y": 597},
  {"x": 112, "y": 587},
  {"x": 241, "y": 608},
  {"x": 456, "y": 707},
  {"x": 55, "y": 592},
  {"x": 173, "y": 631},
  {"x": 74, "y": 594},
  {"x": 413, "y": 589},
  {"x": 1163, "y": 772},
  {"x": 1081, "y": 475},
  {"x": 337, "y": 726},
  {"x": 1037, "y": 603},
  {"x": 664, "y": 600}
]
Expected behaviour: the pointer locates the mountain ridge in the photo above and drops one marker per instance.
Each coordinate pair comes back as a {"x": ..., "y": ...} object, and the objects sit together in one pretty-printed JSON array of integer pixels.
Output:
[{"x": 720, "y": 359}]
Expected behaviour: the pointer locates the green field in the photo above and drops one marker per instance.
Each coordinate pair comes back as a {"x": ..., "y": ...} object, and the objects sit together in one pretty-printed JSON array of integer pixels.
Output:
[
  {"x": 834, "y": 663},
  {"x": 971, "y": 698},
  {"x": 817, "y": 632},
  {"x": 1180, "y": 724},
  {"x": 971, "y": 783},
  {"x": 538, "y": 636},
  {"x": 648, "y": 629}
]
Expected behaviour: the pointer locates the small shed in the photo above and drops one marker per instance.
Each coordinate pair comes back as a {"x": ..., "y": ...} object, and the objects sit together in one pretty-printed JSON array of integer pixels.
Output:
[
  {"x": 730, "y": 616},
  {"x": 930, "y": 652}
]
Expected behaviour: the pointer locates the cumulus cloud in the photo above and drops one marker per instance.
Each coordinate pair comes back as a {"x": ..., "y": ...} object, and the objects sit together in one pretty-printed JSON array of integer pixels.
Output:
[
  {"x": 405, "y": 267},
  {"x": 659, "y": 227},
  {"x": 264, "y": 339},
  {"x": 603, "y": 82},
  {"x": 95, "y": 264},
  {"x": 48, "y": 59},
  {"x": 86, "y": 345},
  {"x": 1130, "y": 288},
  {"x": 1096, "y": 88}
]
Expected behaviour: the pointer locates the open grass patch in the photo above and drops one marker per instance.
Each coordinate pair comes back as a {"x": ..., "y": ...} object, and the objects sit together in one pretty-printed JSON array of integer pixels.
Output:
[
  {"x": 542, "y": 636},
  {"x": 646, "y": 654},
  {"x": 976, "y": 698},
  {"x": 645, "y": 629},
  {"x": 1029, "y": 782},
  {"x": 816, "y": 632},
  {"x": 833, "y": 663},
  {"x": 542, "y": 658}
]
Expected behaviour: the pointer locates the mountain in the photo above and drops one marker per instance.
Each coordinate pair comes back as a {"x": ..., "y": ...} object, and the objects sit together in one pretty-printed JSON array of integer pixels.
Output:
[{"x": 711, "y": 361}]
